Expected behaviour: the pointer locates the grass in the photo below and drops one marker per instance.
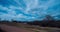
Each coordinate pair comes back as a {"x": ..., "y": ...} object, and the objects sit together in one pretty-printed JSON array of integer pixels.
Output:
[
  {"x": 36, "y": 31},
  {"x": 30, "y": 27}
]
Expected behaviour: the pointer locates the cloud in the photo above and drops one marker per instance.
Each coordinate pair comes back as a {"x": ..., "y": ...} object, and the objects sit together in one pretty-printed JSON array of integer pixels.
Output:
[
  {"x": 30, "y": 9},
  {"x": 12, "y": 14},
  {"x": 3, "y": 8}
]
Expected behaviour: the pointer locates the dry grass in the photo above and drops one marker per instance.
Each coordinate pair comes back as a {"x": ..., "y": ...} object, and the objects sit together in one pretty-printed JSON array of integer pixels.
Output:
[{"x": 34, "y": 28}]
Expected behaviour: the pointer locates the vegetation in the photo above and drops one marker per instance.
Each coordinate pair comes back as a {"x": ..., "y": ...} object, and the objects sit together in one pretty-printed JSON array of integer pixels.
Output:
[
  {"x": 45, "y": 25},
  {"x": 48, "y": 21},
  {"x": 36, "y": 31}
]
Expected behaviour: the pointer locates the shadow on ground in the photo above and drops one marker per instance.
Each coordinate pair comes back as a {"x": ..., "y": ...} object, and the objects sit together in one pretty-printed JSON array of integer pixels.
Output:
[{"x": 2, "y": 30}]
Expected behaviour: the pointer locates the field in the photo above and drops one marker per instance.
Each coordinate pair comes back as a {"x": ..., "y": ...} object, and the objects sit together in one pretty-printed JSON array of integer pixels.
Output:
[{"x": 23, "y": 27}]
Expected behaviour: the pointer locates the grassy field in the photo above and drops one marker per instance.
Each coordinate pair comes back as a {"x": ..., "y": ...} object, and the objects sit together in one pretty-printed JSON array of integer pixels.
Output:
[{"x": 33, "y": 27}]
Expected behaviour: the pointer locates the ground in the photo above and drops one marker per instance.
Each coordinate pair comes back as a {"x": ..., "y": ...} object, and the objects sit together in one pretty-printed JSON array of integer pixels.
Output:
[{"x": 20, "y": 27}]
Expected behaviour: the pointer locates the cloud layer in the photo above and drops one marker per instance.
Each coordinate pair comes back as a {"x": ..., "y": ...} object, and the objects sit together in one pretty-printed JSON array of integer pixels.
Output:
[{"x": 27, "y": 10}]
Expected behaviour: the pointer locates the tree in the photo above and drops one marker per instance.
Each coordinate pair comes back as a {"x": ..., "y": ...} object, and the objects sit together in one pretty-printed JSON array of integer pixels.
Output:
[{"x": 48, "y": 18}]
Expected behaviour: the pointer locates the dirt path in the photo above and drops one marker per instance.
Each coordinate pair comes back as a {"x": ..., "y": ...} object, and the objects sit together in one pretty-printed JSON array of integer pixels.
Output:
[{"x": 13, "y": 29}]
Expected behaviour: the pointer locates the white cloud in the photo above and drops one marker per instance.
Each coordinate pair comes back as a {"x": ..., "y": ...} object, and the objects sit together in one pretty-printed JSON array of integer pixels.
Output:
[
  {"x": 33, "y": 8},
  {"x": 3, "y": 8},
  {"x": 7, "y": 16},
  {"x": 17, "y": 1},
  {"x": 21, "y": 16}
]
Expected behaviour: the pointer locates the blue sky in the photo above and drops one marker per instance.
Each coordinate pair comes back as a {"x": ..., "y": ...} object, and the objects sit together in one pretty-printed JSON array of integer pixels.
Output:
[{"x": 26, "y": 10}]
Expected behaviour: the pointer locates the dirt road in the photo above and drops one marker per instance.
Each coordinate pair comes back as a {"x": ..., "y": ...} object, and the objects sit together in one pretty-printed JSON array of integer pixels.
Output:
[{"x": 13, "y": 29}]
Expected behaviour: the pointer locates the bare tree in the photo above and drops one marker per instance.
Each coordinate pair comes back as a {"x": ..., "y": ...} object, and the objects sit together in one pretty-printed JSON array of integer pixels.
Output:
[{"x": 48, "y": 18}]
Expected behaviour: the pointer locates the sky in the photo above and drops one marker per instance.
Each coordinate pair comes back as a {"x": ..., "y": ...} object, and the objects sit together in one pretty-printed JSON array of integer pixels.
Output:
[{"x": 29, "y": 10}]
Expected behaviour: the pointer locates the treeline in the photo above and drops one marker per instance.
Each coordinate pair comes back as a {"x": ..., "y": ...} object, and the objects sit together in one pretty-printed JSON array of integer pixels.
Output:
[
  {"x": 48, "y": 21},
  {"x": 39, "y": 23}
]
